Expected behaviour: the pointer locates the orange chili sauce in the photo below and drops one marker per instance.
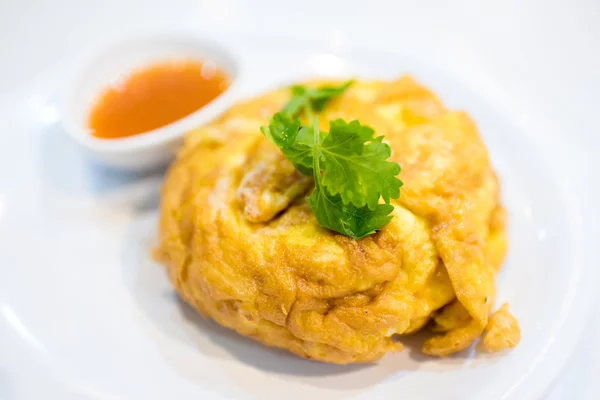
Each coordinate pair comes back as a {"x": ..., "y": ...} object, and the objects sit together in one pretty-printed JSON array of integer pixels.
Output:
[{"x": 154, "y": 97}]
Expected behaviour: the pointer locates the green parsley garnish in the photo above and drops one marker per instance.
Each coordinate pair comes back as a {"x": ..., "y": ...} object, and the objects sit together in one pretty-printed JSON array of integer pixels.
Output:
[{"x": 349, "y": 164}]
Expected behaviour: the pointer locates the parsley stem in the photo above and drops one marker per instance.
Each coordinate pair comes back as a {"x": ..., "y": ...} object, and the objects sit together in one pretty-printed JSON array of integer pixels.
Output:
[
  {"x": 310, "y": 115},
  {"x": 316, "y": 149}
]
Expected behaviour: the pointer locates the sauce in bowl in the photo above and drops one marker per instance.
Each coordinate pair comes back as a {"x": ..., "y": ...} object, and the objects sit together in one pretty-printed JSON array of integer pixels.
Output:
[{"x": 156, "y": 96}]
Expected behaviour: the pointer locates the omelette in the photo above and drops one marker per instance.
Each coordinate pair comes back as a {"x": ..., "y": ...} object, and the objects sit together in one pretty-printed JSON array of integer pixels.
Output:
[{"x": 241, "y": 245}]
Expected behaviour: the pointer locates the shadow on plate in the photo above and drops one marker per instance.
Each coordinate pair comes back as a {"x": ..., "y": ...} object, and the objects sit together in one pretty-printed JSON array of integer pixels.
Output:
[
  {"x": 253, "y": 353},
  {"x": 184, "y": 334},
  {"x": 66, "y": 169},
  {"x": 6, "y": 388}
]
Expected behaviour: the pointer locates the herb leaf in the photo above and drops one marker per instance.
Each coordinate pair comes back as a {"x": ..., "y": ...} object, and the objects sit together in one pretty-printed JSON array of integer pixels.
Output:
[
  {"x": 347, "y": 219},
  {"x": 356, "y": 166},
  {"x": 315, "y": 98},
  {"x": 294, "y": 141},
  {"x": 349, "y": 165},
  {"x": 330, "y": 210}
]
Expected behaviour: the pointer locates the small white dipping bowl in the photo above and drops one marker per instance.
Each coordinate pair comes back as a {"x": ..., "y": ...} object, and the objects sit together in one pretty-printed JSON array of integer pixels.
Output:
[{"x": 153, "y": 148}]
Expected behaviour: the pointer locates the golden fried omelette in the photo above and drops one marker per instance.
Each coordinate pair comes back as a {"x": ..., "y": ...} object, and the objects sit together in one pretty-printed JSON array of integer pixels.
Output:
[{"x": 242, "y": 246}]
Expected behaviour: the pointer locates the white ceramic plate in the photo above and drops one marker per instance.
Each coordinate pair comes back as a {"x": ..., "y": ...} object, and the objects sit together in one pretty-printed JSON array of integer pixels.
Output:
[{"x": 85, "y": 314}]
